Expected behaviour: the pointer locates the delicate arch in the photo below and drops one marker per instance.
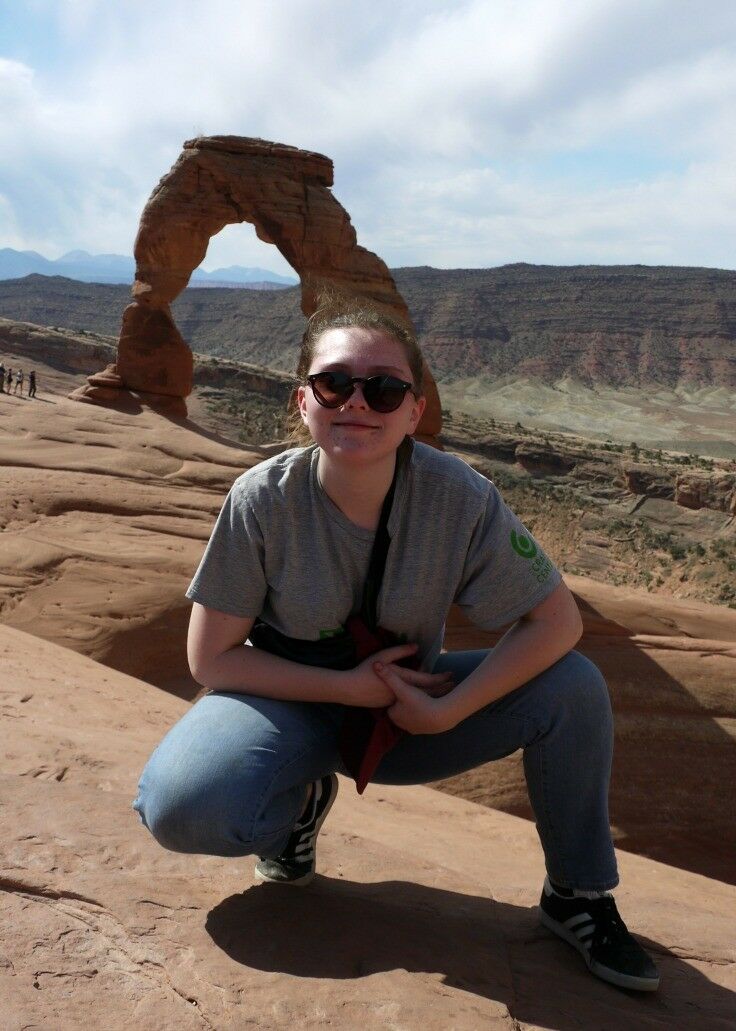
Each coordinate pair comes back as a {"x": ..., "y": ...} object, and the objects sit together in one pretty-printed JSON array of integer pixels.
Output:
[{"x": 217, "y": 181}]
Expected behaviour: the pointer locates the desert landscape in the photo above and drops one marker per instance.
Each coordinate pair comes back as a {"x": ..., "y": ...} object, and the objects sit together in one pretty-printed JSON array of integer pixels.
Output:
[
  {"x": 113, "y": 476},
  {"x": 543, "y": 195}
]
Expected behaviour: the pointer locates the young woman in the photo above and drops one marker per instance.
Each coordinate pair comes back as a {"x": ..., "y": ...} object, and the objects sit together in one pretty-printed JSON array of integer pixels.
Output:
[{"x": 251, "y": 768}]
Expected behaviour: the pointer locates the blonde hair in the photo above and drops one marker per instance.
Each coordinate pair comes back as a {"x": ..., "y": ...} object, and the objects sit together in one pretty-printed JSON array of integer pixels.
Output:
[{"x": 337, "y": 312}]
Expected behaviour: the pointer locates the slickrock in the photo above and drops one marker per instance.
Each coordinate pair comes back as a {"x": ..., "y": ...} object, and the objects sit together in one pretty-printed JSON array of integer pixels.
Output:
[
  {"x": 104, "y": 518},
  {"x": 217, "y": 181},
  {"x": 422, "y": 916}
]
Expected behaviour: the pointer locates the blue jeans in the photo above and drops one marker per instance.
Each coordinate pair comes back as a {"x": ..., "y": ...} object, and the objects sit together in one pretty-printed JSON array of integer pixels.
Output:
[{"x": 229, "y": 778}]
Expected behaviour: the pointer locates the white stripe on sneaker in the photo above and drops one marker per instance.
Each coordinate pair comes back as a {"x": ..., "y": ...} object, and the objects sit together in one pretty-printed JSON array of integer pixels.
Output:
[
  {"x": 584, "y": 932},
  {"x": 579, "y": 918}
]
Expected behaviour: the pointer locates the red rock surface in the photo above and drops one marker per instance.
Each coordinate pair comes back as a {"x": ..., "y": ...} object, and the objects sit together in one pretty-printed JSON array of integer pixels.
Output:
[
  {"x": 422, "y": 917},
  {"x": 285, "y": 193},
  {"x": 693, "y": 491},
  {"x": 424, "y": 914}
]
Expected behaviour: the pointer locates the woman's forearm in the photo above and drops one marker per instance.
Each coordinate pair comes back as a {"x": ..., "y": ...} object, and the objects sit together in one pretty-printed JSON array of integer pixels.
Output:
[
  {"x": 247, "y": 670},
  {"x": 528, "y": 648}
]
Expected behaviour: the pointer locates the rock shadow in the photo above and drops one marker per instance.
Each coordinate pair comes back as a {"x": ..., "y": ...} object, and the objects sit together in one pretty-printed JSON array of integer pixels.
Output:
[
  {"x": 672, "y": 757},
  {"x": 337, "y": 930}
]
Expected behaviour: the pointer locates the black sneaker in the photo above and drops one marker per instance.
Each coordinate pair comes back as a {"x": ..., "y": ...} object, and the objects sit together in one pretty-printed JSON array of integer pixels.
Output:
[
  {"x": 296, "y": 864},
  {"x": 595, "y": 929}
]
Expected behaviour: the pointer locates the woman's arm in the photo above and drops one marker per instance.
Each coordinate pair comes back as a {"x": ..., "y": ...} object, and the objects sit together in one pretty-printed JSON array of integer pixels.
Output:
[
  {"x": 220, "y": 662},
  {"x": 534, "y": 643}
]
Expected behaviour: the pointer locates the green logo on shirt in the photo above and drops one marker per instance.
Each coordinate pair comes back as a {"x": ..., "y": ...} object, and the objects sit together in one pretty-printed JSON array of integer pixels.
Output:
[
  {"x": 522, "y": 545},
  {"x": 330, "y": 633},
  {"x": 525, "y": 546}
]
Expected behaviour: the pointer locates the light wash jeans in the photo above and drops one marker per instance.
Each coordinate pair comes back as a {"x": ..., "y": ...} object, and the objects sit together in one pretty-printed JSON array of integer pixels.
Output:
[{"x": 229, "y": 778}]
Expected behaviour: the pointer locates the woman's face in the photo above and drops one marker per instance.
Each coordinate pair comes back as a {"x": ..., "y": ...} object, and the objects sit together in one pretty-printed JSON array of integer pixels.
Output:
[{"x": 354, "y": 432}]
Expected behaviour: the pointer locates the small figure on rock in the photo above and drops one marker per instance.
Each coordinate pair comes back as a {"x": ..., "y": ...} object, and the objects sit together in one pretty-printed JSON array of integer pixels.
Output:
[
  {"x": 32, "y": 383},
  {"x": 339, "y": 560},
  {"x": 18, "y": 382},
  {"x": 2, "y": 378},
  {"x": 9, "y": 380}
]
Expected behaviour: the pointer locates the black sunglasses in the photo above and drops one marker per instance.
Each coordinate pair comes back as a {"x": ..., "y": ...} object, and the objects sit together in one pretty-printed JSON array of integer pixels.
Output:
[{"x": 381, "y": 393}]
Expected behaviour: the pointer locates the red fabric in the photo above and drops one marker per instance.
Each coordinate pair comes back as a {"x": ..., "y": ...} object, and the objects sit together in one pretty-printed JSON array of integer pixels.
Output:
[{"x": 368, "y": 734}]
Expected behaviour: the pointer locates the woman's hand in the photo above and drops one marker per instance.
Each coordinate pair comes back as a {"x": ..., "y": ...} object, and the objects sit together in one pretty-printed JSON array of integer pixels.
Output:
[
  {"x": 416, "y": 708},
  {"x": 363, "y": 685}
]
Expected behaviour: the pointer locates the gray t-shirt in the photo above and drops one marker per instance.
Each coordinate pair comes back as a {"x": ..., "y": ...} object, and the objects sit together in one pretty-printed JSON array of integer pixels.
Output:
[{"x": 282, "y": 550}]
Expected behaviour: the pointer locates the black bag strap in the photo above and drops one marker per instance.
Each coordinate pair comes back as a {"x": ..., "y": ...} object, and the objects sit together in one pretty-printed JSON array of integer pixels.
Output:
[{"x": 381, "y": 544}]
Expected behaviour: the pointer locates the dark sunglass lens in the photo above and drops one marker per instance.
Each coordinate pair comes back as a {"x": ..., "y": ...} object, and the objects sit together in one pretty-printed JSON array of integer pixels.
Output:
[
  {"x": 384, "y": 393},
  {"x": 332, "y": 389}
]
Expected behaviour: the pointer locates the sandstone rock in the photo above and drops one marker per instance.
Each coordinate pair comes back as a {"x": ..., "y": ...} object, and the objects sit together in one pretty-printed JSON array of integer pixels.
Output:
[
  {"x": 423, "y": 914},
  {"x": 105, "y": 516},
  {"x": 537, "y": 458},
  {"x": 719, "y": 491},
  {"x": 670, "y": 666},
  {"x": 108, "y": 377},
  {"x": 649, "y": 480},
  {"x": 152, "y": 355},
  {"x": 285, "y": 193}
]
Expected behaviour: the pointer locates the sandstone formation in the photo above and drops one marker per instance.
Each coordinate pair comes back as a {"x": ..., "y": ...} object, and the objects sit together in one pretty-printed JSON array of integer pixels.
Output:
[
  {"x": 216, "y": 181},
  {"x": 104, "y": 518},
  {"x": 422, "y": 916},
  {"x": 698, "y": 491}
]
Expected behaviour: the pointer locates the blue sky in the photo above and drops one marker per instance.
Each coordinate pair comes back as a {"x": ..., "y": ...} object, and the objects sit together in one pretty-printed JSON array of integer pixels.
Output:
[{"x": 464, "y": 134}]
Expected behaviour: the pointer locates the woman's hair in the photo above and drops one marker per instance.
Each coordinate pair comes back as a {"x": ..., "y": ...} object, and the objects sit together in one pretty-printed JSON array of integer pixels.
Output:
[{"x": 338, "y": 312}]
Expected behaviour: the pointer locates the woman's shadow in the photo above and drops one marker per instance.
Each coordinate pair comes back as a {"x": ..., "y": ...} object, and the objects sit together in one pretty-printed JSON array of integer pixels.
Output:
[{"x": 340, "y": 929}]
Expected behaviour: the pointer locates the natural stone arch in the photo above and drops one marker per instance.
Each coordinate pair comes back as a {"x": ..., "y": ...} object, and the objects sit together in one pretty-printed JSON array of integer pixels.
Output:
[{"x": 217, "y": 181}]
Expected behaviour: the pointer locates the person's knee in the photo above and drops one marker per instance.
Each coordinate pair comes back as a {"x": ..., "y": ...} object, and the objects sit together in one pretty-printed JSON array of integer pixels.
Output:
[
  {"x": 186, "y": 816},
  {"x": 584, "y": 689}
]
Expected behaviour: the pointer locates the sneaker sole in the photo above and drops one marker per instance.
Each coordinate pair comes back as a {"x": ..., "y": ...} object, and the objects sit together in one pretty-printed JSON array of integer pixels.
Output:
[
  {"x": 300, "y": 882},
  {"x": 296, "y": 882},
  {"x": 639, "y": 984}
]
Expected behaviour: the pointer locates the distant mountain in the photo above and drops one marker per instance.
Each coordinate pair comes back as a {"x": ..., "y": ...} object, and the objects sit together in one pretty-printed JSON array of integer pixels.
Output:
[
  {"x": 14, "y": 264},
  {"x": 620, "y": 325},
  {"x": 241, "y": 274},
  {"x": 117, "y": 268}
]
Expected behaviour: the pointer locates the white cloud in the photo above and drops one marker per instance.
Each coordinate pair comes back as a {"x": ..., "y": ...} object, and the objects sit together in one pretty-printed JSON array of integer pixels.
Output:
[{"x": 461, "y": 131}]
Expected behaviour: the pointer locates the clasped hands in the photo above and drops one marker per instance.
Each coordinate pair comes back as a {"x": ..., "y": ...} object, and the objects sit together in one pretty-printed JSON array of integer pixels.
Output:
[{"x": 412, "y": 698}]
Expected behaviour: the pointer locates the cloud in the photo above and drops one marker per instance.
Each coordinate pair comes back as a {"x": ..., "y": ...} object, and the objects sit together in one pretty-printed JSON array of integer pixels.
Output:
[{"x": 463, "y": 133}]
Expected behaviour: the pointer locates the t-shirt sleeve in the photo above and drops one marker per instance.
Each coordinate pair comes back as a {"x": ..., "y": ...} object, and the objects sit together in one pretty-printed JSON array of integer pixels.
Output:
[
  {"x": 231, "y": 577},
  {"x": 506, "y": 571}
]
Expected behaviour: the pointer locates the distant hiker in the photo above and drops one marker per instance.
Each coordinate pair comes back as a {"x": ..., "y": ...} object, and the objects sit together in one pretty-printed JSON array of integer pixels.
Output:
[
  {"x": 311, "y": 549},
  {"x": 9, "y": 380},
  {"x": 2, "y": 378},
  {"x": 18, "y": 382},
  {"x": 32, "y": 383}
]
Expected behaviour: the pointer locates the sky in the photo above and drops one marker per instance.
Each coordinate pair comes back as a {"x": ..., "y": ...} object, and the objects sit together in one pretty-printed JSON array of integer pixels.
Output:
[{"x": 464, "y": 134}]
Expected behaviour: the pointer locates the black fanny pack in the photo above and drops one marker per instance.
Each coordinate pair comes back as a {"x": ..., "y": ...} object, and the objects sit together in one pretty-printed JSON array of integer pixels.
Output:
[{"x": 335, "y": 652}]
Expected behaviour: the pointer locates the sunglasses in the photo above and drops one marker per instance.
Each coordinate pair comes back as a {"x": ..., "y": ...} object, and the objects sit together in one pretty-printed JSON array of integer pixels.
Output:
[{"x": 381, "y": 393}]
